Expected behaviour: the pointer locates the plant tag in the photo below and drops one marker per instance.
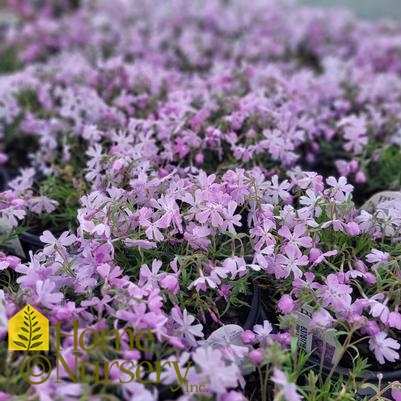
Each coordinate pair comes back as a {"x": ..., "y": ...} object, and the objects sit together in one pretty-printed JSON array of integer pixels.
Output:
[
  {"x": 228, "y": 334},
  {"x": 383, "y": 196},
  {"x": 303, "y": 328},
  {"x": 13, "y": 244},
  {"x": 323, "y": 342}
]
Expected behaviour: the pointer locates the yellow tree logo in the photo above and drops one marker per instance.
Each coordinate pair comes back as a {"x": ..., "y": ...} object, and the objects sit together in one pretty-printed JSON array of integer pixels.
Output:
[{"x": 28, "y": 330}]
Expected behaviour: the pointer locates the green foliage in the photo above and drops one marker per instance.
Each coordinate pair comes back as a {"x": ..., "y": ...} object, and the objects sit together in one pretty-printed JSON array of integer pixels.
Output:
[
  {"x": 383, "y": 167},
  {"x": 9, "y": 60},
  {"x": 67, "y": 193}
]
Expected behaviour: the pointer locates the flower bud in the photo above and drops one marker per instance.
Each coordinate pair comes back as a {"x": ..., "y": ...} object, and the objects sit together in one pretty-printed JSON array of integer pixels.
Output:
[
  {"x": 360, "y": 177},
  {"x": 256, "y": 356},
  {"x": 352, "y": 229},
  {"x": 286, "y": 304},
  {"x": 314, "y": 254},
  {"x": 248, "y": 337}
]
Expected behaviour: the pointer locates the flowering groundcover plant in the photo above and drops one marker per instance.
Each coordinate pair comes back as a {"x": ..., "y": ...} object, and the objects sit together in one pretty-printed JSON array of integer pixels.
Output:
[{"x": 169, "y": 162}]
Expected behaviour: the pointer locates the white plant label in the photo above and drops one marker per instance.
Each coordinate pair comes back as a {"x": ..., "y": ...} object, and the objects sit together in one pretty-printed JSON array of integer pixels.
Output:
[
  {"x": 323, "y": 342},
  {"x": 13, "y": 244},
  {"x": 228, "y": 334},
  {"x": 384, "y": 196}
]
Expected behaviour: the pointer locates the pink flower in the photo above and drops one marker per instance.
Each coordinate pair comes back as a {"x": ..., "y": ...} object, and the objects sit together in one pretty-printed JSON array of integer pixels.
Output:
[
  {"x": 322, "y": 257},
  {"x": 384, "y": 348},
  {"x": 287, "y": 389},
  {"x": 65, "y": 239},
  {"x": 377, "y": 258},
  {"x": 360, "y": 177},
  {"x": 203, "y": 281},
  {"x": 290, "y": 262},
  {"x": 149, "y": 278},
  {"x": 378, "y": 309},
  {"x": 394, "y": 320},
  {"x": 396, "y": 393},
  {"x": 198, "y": 236},
  {"x": 45, "y": 295},
  {"x": 278, "y": 190},
  {"x": 355, "y": 133},
  {"x": 218, "y": 374},
  {"x": 231, "y": 220},
  {"x": 42, "y": 204},
  {"x": 297, "y": 236},
  {"x": 312, "y": 202},
  {"x": 335, "y": 293},
  {"x": 263, "y": 332},
  {"x": 286, "y": 304},
  {"x": 340, "y": 189},
  {"x": 152, "y": 227},
  {"x": 248, "y": 337},
  {"x": 184, "y": 325},
  {"x": 321, "y": 318},
  {"x": 170, "y": 283},
  {"x": 352, "y": 228},
  {"x": 256, "y": 356}
]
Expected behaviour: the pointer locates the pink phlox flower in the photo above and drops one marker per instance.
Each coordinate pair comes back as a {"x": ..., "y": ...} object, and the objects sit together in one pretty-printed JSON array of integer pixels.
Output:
[
  {"x": 340, "y": 189},
  {"x": 167, "y": 205},
  {"x": 184, "y": 324},
  {"x": 198, "y": 236},
  {"x": 150, "y": 278},
  {"x": 277, "y": 190},
  {"x": 46, "y": 294},
  {"x": 335, "y": 293},
  {"x": 52, "y": 243},
  {"x": 297, "y": 237},
  {"x": 111, "y": 275},
  {"x": 355, "y": 132},
  {"x": 377, "y": 259},
  {"x": 287, "y": 389},
  {"x": 263, "y": 235},
  {"x": 42, "y": 204},
  {"x": 384, "y": 348},
  {"x": 263, "y": 332},
  {"x": 203, "y": 282},
  {"x": 290, "y": 261},
  {"x": 312, "y": 202},
  {"x": 322, "y": 257},
  {"x": 231, "y": 219}
]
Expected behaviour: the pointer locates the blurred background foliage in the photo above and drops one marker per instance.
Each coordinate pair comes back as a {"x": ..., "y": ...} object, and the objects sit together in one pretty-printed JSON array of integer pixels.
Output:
[{"x": 365, "y": 8}]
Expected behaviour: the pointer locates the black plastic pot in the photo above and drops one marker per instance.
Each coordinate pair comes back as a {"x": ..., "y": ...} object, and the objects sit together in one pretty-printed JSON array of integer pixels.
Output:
[
  {"x": 165, "y": 394},
  {"x": 7, "y": 174},
  {"x": 370, "y": 377},
  {"x": 257, "y": 314},
  {"x": 30, "y": 242}
]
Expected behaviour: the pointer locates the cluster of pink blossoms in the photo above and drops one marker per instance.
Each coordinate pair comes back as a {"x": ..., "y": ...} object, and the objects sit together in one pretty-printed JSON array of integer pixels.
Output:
[{"x": 195, "y": 135}]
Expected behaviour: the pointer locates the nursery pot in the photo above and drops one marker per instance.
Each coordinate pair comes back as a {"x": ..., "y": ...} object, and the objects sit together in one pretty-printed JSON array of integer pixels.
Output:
[
  {"x": 7, "y": 174},
  {"x": 326, "y": 353},
  {"x": 30, "y": 242},
  {"x": 26, "y": 241},
  {"x": 370, "y": 377},
  {"x": 257, "y": 313}
]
